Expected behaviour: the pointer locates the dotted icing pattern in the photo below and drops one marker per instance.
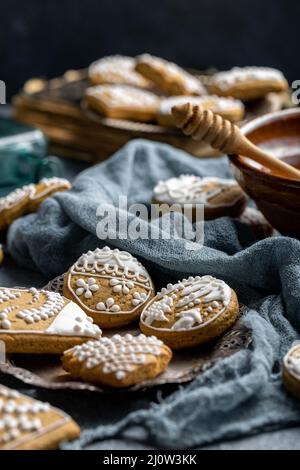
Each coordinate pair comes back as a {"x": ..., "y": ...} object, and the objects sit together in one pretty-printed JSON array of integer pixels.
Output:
[
  {"x": 18, "y": 417},
  {"x": 229, "y": 78},
  {"x": 118, "y": 355},
  {"x": 68, "y": 318},
  {"x": 123, "y": 272},
  {"x": 292, "y": 361},
  {"x": 195, "y": 302},
  {"x": 190, "y": 189},
  {"x": 16, "y": 197}
]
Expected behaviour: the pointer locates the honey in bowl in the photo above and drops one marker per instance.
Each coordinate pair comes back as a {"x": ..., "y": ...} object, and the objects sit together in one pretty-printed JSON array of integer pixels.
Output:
[{"x": 276, "y": 196}]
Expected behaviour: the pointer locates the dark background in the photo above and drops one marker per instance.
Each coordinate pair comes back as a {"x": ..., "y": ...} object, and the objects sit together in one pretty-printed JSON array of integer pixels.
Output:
[{"x": 46, "y": 37}]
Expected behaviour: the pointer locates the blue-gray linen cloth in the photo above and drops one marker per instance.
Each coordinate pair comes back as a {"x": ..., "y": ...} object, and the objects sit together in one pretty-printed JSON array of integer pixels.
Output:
[{"x": 242, "y": 394}]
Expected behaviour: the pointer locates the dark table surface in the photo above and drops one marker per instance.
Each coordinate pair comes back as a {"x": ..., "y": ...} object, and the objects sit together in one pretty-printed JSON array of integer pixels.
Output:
[{"x": 90, "y": 409}]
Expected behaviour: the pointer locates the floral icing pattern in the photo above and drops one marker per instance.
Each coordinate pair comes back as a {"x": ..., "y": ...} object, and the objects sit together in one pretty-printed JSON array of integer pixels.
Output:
[
  {"x": 193, "y": 302},
  {"x": 86, "y": 288},
  {"x": 119, "y": 272}
]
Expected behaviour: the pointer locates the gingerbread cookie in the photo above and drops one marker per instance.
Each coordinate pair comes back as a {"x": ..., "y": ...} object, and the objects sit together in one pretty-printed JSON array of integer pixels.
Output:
[
  {"x": 168, "y": 77},
  {"x": 221, "y": 197},
  {"x": 248, "y": 83},
  {"x": 109, "y": 285},
  {"x": 118, "y": 70},
  {"x": 119, "y": 361},
  {"x": 42, "y": 322},
  {"x": 28, "y": 198},
  {"x": 291, "y": 370},
  {"x": 1, "y": 254},
  {"x": 191, "y": 312},
  {"x": 28, "y": 424},
  {"x": 123, "y": 102},
  {"x": 228, "y": 108}
]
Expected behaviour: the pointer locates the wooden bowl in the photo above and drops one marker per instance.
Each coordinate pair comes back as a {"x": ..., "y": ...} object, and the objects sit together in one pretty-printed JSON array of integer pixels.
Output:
[{"x": 276, "y": 196}]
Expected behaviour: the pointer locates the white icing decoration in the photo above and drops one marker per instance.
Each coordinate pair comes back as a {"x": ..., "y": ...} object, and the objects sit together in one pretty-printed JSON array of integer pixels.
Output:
[
  {"x": 68, "y": 319},
  {"x": 229, "y": 78},
  {"x": 121, "y": 285},
  {"x": 183, "y": 298},
  {"x": 190, "y": 189},
  {"x": 123, "y": 272},
  {"x": 108, "y": 306},
  {"x": 8, "y": 294},
  {"x": 72, "y": 321},
  {"x": 54, "y": 181},
  {"x": 117, "y": 355},
  {"x": 51, "y": 184},
  {"x": 86, "y": 288},
  {"x": 18, "y": 417},
  {"x": 157, "y": 310},
  {"x": 53, "y": 305},
  {"x": 187, "y": 319},
  {"x": 15, "y": 197},
  {"x": 138, "y": 298}
]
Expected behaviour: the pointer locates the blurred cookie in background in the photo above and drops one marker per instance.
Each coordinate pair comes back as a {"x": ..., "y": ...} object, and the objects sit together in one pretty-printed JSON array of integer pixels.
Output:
[
  {"x": 248, "y": 83},
  {"x": 228, "y": 108},
  {"x": 116, "y": 69}
]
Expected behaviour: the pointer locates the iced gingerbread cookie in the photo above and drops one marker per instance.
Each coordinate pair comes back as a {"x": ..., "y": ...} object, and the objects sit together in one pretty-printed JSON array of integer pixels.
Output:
[
  {"x": 119, "y": 361},
  {"x": 28, "y": 424},
  {"x": 291, "y": 371},
  {"x": 118, "y": 70},
  {"x": 123, "y": 102},
  {"x": 168, "y": 77},
  {"x": 221, "y": 197},
  {"x": 229, "y": 108},
  {"x": 248, "y": 83},
  {"x": 190, "y": 312},
  {"x": 42, "y": 322},
  {"x": 28, "y": 198},
  {"x": 109, "y": 285}
]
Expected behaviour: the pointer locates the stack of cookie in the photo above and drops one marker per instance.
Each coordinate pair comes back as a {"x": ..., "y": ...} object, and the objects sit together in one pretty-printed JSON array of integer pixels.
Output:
[{"x": 145, "y": 88}]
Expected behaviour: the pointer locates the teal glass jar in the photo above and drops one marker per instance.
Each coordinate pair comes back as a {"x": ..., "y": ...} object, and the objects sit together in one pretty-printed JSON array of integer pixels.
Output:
[{"x": 23, "y": 156}]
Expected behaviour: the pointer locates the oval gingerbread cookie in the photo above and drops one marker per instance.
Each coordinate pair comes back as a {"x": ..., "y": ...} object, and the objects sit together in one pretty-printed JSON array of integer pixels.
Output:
[
  {"x": 119, "y": 361},
  {"x": 109, "y": 285},
  {"x": 221, "y": 197},
  {"x": 190, "y": 312}
]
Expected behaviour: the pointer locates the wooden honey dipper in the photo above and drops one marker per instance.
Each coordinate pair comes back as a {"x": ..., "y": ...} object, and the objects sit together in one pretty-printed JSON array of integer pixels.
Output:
[{"x": 204, "y": 124}]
